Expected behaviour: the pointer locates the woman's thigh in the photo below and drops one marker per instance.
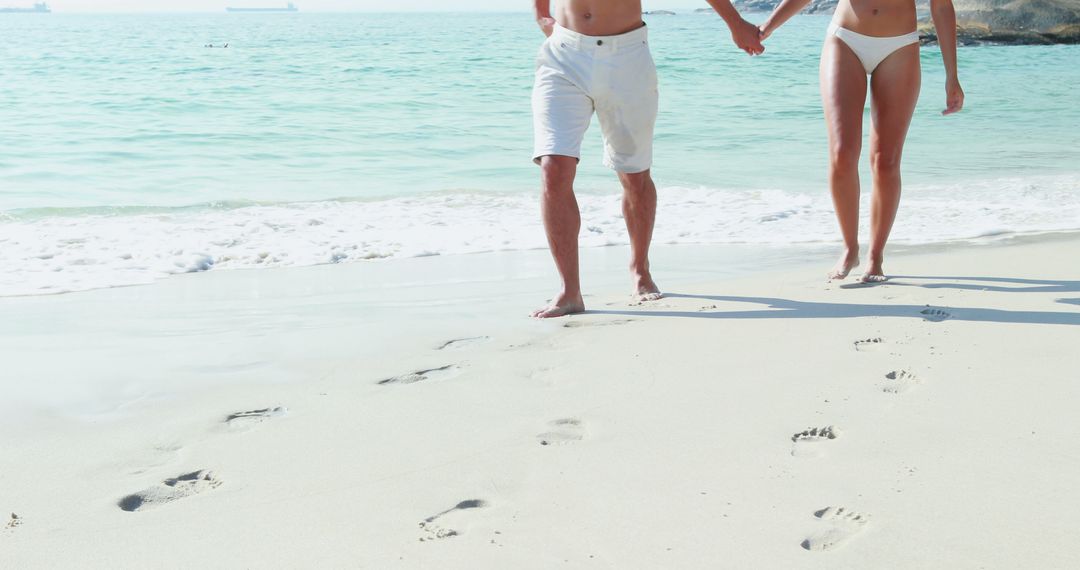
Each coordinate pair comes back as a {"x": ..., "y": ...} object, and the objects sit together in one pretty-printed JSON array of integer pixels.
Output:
[
  {"x": 843, "y": 94},
  {"x": 894, "y": 90}
]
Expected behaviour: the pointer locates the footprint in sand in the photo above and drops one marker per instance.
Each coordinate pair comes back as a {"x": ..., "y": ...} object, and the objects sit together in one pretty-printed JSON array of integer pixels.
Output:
[
  {"x": 613, "y": 322},
  {"x": 845, "y": 524},
  {"x": 170, "y": 490},
  {"x": 935, "y": 315},
  {"x": 433, "y": 530},
  {"x": 440, "y": 373},
  {"x": 464, "y": 343},
  {"x": 870, "y": 344},
  {"x": 899, "y": 381},
  {"x": 248, "y": 420},
  {"x": 563, "y": 432},
  {"x": 14, "y": 522},
  {"x": 808, "y": 442}
]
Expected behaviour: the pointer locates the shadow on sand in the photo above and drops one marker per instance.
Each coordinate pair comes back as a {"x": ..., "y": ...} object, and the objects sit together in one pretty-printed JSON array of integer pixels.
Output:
[
  {"x": 790, "y": 309},
  {"x": 997, "y": 284}
]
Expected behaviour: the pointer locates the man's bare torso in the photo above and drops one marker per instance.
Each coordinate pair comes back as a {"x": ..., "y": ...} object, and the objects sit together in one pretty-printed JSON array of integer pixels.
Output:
[
  {"x": 599, "y": 17},
  {"x": 876, "y": 17}
]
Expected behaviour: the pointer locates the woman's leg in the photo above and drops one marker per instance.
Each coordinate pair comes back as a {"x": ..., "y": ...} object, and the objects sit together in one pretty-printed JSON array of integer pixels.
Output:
[
  {"x": 894, "y": 90},
  {"x": 843, "y": 93}
]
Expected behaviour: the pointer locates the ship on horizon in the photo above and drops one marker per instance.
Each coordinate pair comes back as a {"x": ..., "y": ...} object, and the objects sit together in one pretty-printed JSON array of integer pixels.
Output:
[
  {"x": 288, "y": 8},
  {"x": 38, "y": 8}
]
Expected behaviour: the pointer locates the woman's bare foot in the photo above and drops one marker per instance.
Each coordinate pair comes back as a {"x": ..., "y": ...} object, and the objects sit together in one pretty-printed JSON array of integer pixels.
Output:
[
  {"x": 645, "y": 288},
  {"x": 875, "y": 274},
  {"x": 561, "y": 306},
  {"x": 848, "y": 261}
]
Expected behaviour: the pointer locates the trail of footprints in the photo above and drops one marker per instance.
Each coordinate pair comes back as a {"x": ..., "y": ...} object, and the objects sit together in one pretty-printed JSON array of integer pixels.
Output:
[
  {"x": 195, "y": 482},
  {"x": 444, "y": 372},
  {"x": 201, "y": 481},
  {"x": 842, "y": 523}
]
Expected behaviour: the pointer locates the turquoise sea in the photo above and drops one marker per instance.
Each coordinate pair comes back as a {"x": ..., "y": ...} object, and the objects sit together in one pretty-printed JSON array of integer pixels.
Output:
[{"x": 130, "y": 151}]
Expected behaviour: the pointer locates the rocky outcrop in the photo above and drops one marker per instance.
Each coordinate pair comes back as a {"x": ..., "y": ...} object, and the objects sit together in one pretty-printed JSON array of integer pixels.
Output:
[
  {"x": 765, "y": 6},
  {"x": 1014, "y": 22},
  {"x": 978, "y": 21}
]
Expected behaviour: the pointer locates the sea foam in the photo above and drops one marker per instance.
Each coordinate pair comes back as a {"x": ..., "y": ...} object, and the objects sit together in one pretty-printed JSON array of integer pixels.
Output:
[{"x": 62, "y": 251}]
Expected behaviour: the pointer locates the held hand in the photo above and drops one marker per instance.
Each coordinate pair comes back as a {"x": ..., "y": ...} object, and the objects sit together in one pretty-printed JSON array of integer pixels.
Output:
[
  {"x": 954, "y": 97},
  {"x": 547, "y": 25},
  {"x": 764, "y": 32},
  {"x": 747, "y": 37}
]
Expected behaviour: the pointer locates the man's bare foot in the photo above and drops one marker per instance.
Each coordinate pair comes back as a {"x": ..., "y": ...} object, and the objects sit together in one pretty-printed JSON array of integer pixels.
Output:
[
  {"x": 848, "y": 261},
  {"x": 645, "y": 288},
  {"x": 561, "y": 306}
]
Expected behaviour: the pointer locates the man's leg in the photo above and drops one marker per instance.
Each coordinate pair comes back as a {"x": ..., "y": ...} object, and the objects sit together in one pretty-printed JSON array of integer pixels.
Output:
[
  {"x": 639, "y": 211},
  {"x": 627, "y": 113},
  {"x": 562, "y": 221},
  {"x": 562, "y": 111}
]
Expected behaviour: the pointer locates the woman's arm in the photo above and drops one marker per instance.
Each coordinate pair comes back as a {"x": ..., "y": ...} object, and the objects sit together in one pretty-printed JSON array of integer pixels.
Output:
[
  {"x": 743, "y": 33},
  {"x": 542, "y": 11},
  {"x": 945, "y": 23},
  {"x": 783, "y": 12}
]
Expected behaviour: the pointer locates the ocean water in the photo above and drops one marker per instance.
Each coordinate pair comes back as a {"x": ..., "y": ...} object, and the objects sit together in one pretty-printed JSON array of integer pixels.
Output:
[{"x": 129, "y": 151}]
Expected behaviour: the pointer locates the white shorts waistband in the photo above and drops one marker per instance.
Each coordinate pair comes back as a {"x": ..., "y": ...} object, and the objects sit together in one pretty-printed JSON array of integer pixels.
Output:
[{"x": 581, "y": 41}]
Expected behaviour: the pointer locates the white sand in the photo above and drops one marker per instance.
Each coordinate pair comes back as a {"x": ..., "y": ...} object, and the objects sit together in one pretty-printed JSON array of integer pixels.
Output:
[{"x": 314, "y": 418}]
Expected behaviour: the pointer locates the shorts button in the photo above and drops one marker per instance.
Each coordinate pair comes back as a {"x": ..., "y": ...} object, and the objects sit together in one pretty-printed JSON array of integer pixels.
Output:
[{"x": 599, "y": 42}]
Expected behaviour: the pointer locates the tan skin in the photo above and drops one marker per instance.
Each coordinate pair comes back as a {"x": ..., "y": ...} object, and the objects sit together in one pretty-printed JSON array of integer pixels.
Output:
[
  {"x": 562, "y": 220},
  {"x": 894, "y": 89}
]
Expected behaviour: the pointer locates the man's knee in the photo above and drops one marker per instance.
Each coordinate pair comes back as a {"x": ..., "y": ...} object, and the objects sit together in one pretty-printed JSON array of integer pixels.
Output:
[
  {"x": 557, "y": 172},
  {"x": 636, "y": 182}
]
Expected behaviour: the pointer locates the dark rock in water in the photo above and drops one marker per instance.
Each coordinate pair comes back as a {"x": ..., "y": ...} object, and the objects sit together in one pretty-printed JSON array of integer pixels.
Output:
[
  {"x": 821, "y": 7},
  {"x": 814, "y": 7},
  {"x": 1013, "y": 22},
  {"x": 978, "y": 21}
]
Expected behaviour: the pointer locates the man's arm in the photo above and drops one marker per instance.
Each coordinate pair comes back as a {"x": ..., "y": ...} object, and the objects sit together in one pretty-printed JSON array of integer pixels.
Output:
[
  {"x": 782, "y": 13},
  {"x": 945, "y": 23},
  {"x": 542, "y": 11},
  {"x": 743, "y": 33}
]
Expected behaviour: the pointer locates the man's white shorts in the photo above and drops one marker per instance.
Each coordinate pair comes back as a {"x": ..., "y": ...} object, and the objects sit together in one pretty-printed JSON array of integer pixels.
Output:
[{"x": 612, "y": 75}]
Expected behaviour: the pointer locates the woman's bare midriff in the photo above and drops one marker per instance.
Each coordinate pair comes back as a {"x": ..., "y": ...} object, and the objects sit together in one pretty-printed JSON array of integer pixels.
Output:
[
  {"x": 599, "y": 17},
  {"x": 880, "y": 18}
]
